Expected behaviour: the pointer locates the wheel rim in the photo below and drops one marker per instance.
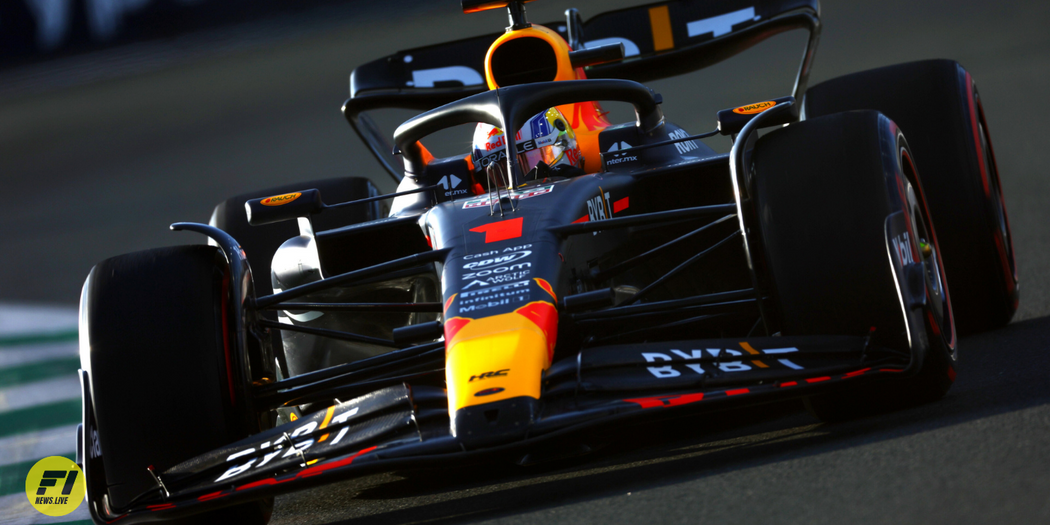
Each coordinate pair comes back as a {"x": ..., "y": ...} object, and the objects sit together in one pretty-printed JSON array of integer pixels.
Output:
[{"x": 939, "y": 315}]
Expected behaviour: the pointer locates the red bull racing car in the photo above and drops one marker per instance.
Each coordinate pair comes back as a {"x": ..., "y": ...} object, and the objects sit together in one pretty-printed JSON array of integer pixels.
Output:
[{"x": 566, "y": 275}]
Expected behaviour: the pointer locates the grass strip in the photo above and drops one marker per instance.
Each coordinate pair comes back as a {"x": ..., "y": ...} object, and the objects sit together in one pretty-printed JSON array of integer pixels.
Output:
[
  {"x": 40, "y": 417},
  {"x": 36, "y": 339},
  {"x": 19, "y": 375},
  {"x": 13, "y": 477}
]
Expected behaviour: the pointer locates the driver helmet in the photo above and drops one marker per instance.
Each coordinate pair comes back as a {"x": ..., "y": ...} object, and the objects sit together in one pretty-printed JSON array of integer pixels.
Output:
[{"x": 545, "y": 143}]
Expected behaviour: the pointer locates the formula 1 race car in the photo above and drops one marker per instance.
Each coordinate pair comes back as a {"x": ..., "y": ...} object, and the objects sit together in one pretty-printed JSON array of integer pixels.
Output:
[{"x": 554, "y": 282}]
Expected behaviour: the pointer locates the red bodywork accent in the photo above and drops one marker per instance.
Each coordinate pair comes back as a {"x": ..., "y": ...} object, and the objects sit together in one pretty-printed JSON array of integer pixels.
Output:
[
  {"x": 789, "y": 383},
  {"x": 976, "y": 134},
  {"x": 320, "y": 469},
  {"x": 547, "y": 287},
  {"x": 818, "y": 379},
  {"x": 453, "y": 326},
  {"x": 312, "y": 471},
  {"x": 737, "y": 392},
  {"x": 213, "y": 495},
  {"x": 545, "y": 316},
  {"x": 585, "y": 218},
  {"x": 502, "y": 230},
  {"x": 621, "y": 204},
  {"x": 669, "y": 401}
]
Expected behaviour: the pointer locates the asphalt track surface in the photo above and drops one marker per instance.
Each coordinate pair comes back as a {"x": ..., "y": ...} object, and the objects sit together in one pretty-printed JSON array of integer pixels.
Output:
[{"x": 96, "y": 169}]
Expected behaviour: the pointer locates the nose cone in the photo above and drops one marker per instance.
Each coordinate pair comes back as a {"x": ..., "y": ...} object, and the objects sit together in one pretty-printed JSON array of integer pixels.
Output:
[{"x": 493, "y": 370}]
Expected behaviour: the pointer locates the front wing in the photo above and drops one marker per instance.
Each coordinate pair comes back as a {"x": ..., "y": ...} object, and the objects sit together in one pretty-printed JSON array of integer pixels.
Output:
[{"x": 403, "y": 427}]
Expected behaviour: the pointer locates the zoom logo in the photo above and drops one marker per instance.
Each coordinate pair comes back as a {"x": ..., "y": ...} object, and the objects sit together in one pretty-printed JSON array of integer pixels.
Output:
[{"x": 55, "y": 486}]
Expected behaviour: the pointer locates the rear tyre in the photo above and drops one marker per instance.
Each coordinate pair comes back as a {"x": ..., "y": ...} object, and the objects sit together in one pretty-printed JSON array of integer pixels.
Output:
[
  {"x": 156, "y": 357},
  {"x": 936, "y": 104},
  {"x": 823, "y": 190}
]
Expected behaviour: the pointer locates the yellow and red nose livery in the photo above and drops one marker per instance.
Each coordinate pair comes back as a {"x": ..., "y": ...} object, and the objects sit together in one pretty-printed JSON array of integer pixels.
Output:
[{"x": 499, "y": 357}]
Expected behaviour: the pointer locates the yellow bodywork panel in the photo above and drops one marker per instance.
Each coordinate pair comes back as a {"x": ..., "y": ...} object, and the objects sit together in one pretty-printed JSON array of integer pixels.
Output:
[{"x": 495, "y": 358}]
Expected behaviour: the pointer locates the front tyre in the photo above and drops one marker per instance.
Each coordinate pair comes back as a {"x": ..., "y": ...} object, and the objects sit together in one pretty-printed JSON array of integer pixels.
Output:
[
  {"x": 826, "y": 191},
  {"x": 156, "y": 346}
]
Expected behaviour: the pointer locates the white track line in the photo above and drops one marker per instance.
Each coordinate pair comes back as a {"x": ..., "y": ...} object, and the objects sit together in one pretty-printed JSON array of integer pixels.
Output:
[
  {"x": 34, "y": 321},
  {"x": 18, "y": 319},
  {"x": 29, "y": 354},
  {"x": 40, "y": 393},
  {"x": 34, "y": 446},
  {"x": 16, "y": 510}
]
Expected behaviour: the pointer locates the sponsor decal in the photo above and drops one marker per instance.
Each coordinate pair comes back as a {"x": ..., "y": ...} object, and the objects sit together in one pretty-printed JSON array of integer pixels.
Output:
[
  {"x": 600, "y": 208},
  {"x": 751, "y": 109},
  {"x": 451, "y": 184},
  {"x": 673, "y": 369},
  {"x": 621, "y": 160},
  {"x": 452, "y": 76},
  {"x": 278, "y": 200},
  {"x": 473, "y": 294},
  {"x": 55, "y": 486},
  {"x": 660, "y": 23},
  {"x": 498, "y": 293},
  {"x": 902, "y": 248},
  {"x": 286, "y": 447},
  {"x": 489, "y": 391},
  {"x": 494, "y": 299},
  {"x": 499, "y": 144},
  {"x": 498, "y": 260},
  {"x": 489, "y": 375},
  {"x": 490, "y": 199},
  {"x": 496, "y": 270},
  {"x": 95, "y": 449},
  {"x": 487, "y": 160},
  {"x": 494, "y": 252},
  {"x": 501, "y": 271},
  {"x": 720, "y": 25},
  {"x": 501, "y": 230},
  {"x": 685, "y": 146}
]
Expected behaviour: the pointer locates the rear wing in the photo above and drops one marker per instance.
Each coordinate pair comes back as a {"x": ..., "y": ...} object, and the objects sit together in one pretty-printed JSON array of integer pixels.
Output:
[{"x": 660, "y": 40}]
